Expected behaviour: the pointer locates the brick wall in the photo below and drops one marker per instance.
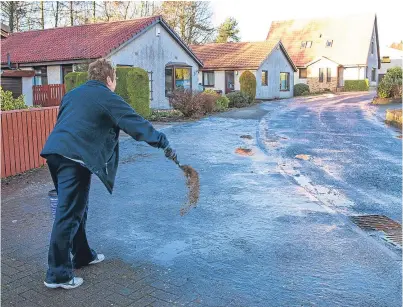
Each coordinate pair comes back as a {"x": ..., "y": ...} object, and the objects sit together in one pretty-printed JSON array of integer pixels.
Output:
[{"x": 316, "y": 86}]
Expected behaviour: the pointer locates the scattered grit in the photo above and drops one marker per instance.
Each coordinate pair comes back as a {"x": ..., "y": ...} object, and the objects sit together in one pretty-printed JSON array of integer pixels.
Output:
[
  {"x": 193, "y": 184},
  {"x": 244, "y": 151}
]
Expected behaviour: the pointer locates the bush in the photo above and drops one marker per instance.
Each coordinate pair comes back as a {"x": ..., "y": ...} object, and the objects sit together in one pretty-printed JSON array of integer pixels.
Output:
[
  {"x": 248, "y": 84},
  {"x": 182, "y": 100},
  {"x": 192, "y": 104},
  {"x": 8, "y": 102},
  {"x": 121, "y": 84},
  {"x": 137, "y": 85},
  {"x": 391, "y": 84},
  {"x": 222, "y": 103},
  {"x": 207, "y": 102},
  {"x": 75, "y": 79},
  {"x": 238, "y": 99},
  {"x": 356, "y": 85},
  {"x": 300, "y": 89}
]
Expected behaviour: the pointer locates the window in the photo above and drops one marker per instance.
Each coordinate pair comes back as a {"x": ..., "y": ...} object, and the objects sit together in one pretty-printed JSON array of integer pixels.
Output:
[
  {"x": 320, "y": 74},
  {"x": 385, "y": 59},
  {"x": 372, "y": 47},
  {"x": 265, "y": 78},
  {"x": 328, "y": 74},
  {"x": 303, "y": 73},
  {"x": 373, "y": 75},
  {"x": 41, "y": 75},
  {"x": 306, "y": 44},
  {"x": 177, "y": 77},
  {"x": 329, "y": 43},
  {"x": 65, "y": 70},
  {"x": 284, "y": 81},
  {"x": 208, "y": 78}
]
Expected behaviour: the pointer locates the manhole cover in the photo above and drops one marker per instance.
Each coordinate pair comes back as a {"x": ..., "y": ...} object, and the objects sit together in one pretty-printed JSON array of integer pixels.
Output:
[{"x": 392, "y": 229}]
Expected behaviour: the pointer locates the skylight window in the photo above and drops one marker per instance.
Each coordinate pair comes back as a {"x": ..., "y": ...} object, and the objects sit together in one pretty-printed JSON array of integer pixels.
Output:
[{"x": 306, "y": 44}]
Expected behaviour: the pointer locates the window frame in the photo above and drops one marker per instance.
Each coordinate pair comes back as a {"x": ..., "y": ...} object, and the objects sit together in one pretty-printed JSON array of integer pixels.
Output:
[
  {"x": 372, "y": 47},
  {"x": 321, "y": 75},
  {"x": 288, "y": 82},
  {"x": 43, "y": 74},
  {"x": 265, "y": 82},
  {"x": 208, "y": 72},
  {"x": 373, "y": 74},
  {"x": 328, "y": 74},
  {"x": 300, "y": 75},
  {"x": 329, "y": 43},
  {"x": 63, "y": 70},
  {"x": 173, "y": 82}
]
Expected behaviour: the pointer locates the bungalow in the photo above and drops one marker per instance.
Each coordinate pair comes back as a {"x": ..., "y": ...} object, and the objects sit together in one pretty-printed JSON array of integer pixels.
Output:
[
  {"x": 390, "y": 57},
  {"x": 147, "y": 42},
  {"x": 223, "y": 64},
  {"x": 328, "y": 51}
]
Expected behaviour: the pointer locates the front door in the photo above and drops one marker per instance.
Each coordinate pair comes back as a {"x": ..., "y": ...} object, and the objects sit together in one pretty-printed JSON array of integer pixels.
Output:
[{"x": 229, "y": 81}]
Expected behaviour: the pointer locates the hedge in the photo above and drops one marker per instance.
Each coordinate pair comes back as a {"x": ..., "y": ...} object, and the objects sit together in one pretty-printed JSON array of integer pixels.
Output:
[
  {"x": 356, "y": 85},
  {"x": 138, "y": 89},
  {"x": 133, "y": 86},
  {"x": 248, "y": 84},
  {"x": 300, "y": 89}
]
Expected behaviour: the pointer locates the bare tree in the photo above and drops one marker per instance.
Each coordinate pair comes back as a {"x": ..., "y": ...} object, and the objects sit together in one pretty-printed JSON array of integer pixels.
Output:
[
  {"x": 14, "y": 13},
  {"x": 191, "y": 19}
]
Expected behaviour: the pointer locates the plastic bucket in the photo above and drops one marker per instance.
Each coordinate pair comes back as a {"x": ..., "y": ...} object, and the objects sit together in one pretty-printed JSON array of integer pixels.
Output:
[{"x": 53, "y": 202}]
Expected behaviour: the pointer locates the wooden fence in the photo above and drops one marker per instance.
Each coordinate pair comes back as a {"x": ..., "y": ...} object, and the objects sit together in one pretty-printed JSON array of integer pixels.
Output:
[
  {"x": 48, "y": 95},
  {"x": 23, "y": 135}
]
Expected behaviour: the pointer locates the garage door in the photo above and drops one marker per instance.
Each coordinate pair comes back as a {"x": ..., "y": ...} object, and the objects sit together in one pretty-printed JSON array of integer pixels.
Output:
[{"x": 13, "y": 85}]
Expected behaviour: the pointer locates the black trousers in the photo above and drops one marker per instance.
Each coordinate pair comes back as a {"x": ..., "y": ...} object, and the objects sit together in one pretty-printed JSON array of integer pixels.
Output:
[{"x": 72, "y": 182}]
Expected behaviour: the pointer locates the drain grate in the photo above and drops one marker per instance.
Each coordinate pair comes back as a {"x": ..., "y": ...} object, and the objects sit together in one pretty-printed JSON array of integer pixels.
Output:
[{"x": 392, "y": 229}]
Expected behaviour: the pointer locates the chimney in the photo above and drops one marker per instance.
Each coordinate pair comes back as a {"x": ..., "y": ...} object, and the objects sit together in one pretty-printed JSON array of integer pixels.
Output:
[{"x": 5, "y": 31}]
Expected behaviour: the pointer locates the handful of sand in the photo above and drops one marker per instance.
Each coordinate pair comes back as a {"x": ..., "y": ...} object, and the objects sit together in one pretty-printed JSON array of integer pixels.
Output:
[{"x": 192, "y": 182}]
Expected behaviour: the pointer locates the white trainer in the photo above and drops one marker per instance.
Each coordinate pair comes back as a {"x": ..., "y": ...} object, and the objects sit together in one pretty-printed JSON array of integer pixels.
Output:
[
  {"x": 98, "y": 259},
  {"x": 73, "y": 283}
]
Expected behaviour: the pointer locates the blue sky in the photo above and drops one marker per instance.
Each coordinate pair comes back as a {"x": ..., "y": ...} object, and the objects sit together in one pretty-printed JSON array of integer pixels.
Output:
[{"x": 255, "y": 17}]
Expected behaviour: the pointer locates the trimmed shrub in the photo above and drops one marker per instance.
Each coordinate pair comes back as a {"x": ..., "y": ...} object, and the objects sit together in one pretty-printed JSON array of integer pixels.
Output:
[
  {"x": 137, "y": 84},
  {"x": 356, "y": 85},
  {"x": 300, "y": 89},
  {"x": 8, "y": 102},
  {"x": 391, "y": 84},
  {"x": 82, "y": 77},
  {"x": 75, "y": 79},
  {"x": 238, "y": 99},
  {"x": 248, "y": 84},
  {"x": 121, "y": 84},
  {"x": 222, "y": 103}
]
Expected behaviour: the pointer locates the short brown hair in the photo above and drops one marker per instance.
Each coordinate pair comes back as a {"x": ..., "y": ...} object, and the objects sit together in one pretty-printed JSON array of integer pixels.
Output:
[{"x": 100, "y": 70}]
